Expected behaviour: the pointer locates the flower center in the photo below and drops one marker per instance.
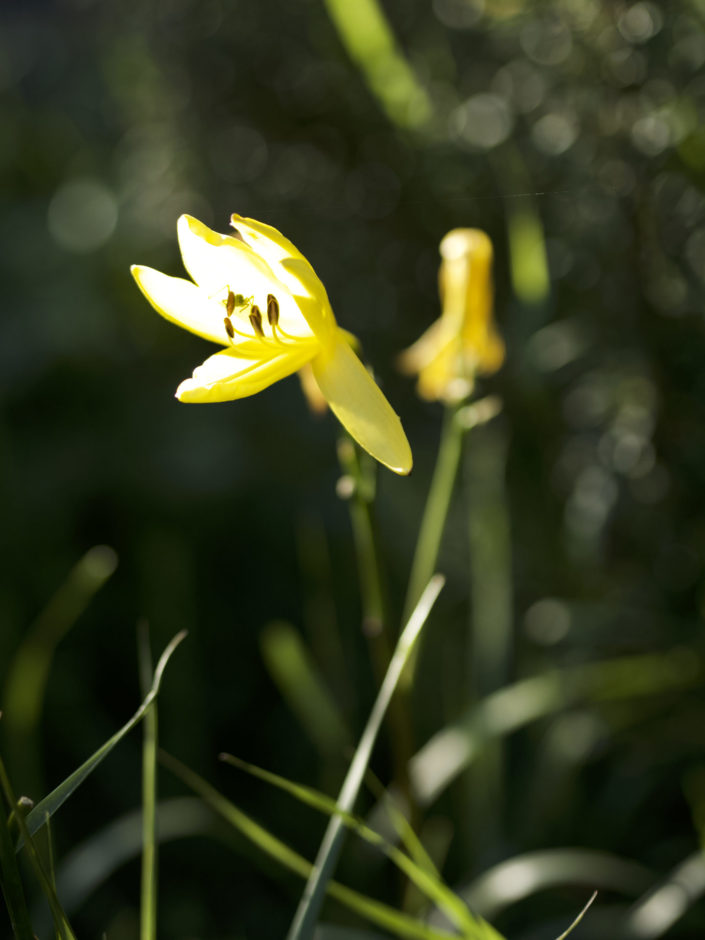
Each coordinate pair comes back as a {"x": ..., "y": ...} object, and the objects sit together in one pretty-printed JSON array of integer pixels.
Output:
[{"x": 237, "y": 303}]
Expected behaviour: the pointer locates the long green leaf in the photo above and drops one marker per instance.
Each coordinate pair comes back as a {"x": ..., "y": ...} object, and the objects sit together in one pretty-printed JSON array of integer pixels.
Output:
[
  {"x": 432, "y": 887},
  {"x": 452, "y": 749},
  {"x": 314, "y": 892},
  {"x": 49, "y": 805},
  {"x": 11, "y": 883},
  {"x": 29, "y": 669},
  {"x": 511, "y": 881},
  {"x": 654, "y": 914},
  {"x": 401, "y": 925},
  {"x": 61, "y": 923}
]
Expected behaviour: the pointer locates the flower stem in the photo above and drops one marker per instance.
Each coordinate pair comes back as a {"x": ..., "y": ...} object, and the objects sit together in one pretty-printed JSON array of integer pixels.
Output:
[
  {"x": 358, "y": 486},
  {"x": 437, "y": 505},
  {"x": 148, "y": 888}
]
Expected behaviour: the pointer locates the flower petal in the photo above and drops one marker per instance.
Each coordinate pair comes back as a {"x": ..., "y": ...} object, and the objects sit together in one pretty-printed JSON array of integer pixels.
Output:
[
  {"x": 360, "y": 406},
  {"x": 183, "y": 303},
  {"x": 226, "y": 376},
  {"x": 217, "y": 262},
  {"x": 292, "y": 269}
]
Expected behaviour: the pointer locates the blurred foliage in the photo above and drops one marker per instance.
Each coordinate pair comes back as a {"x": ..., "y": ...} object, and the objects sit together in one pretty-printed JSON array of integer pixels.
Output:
[{"x": 572, "y": 132}]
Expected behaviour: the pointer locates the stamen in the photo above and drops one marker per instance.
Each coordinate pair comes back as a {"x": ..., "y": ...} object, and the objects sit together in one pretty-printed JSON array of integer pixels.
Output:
[
  {"x": 230, "y": 304},
  {"x": 256, "y": 321},
  {"x": 272, "y": 310},
  {"x": 229, "y": 328}
]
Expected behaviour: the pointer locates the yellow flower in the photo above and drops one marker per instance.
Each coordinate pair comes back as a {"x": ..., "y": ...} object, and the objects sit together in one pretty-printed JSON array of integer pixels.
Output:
[
  {"x": 462, "y": 342},
  {"x": 255, "y": 294}
]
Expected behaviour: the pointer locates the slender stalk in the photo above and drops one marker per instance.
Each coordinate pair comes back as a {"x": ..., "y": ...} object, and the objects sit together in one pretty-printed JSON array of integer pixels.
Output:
[
  {"x": 358, "y": 485},
  {"x": 148, "y": 891},
  {"x": 61, "y": 922},
  {"x": 490, "y": 640},
  {"x": 11, "y": 883},
  {"x": 437, "y": 505},
  {"x": 309, "y": 907}
]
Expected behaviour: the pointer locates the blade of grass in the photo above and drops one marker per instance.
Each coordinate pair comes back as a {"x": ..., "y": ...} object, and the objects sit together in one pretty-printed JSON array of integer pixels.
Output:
[
  {"x": 11, "y": 883},
  {"x": 401, "y": 925},
  {"x": 430, "y": 884},
  {"x": 27, "y": 676},
  {"x": 148, "y": 881},
  {"x": 392, "y": 811},
  {"x": 579, "y": 917},
  {"x": 297, "y": 678},
  {"x": 90, "y": 863},
  {"x": 453, "y": 748},
  {"x": 314, "y": 892},
  {"x": 654, "y": 914},
  {"x": 49, "y": 805},
  {"x": 515, "y": 879},
  {"x": 61, "y": 923}
]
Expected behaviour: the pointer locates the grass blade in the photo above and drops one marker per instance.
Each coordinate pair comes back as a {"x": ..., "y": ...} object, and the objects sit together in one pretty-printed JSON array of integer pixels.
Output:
[
  {"x": 654, "y": 914},
  {"x": 429, "y": 884},
  {"x": 579, "y": 917},
  {"x": 27, "y": 676},
  {"x": 11, "y": 883},
  {"x": 49, "y": 805},
  {"x": 310, "y": 904},
  {"x": 148, "y": 881},
  {"x": 297, "y": 678},
  {"x": 453, "y": 748},
  {"x": 397, "y": 923},
  {"x": 63, "y": 928}
]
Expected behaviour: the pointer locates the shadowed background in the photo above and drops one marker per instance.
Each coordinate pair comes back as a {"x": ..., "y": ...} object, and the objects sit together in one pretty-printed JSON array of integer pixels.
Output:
[{"x": 572, "y": 133}]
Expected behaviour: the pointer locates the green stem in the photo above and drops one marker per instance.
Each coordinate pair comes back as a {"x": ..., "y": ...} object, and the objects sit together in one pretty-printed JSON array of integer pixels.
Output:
[
  {"x": 61, "y": 922},
  {"x": 148, "y": 891},
  {"x": 358, "y": 485},
  {"x": 490, "y": 641},
  {"x": 11, "y": 883},
  {"x": 437, "y": 505}
]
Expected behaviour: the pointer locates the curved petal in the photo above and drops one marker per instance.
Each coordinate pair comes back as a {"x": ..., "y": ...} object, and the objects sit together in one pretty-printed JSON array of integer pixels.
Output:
[
  {"x": 360, "y": 406},
  {"x": 226, "y": 376},
  {"x": 183, "y": 303},
  {"x": 292, "y": 268},
  {"x": 218, "y": 261}
]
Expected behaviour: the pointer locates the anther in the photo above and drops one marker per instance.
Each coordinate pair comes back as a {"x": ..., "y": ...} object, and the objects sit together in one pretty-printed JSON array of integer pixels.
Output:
[
  {"x": 230, "y": 304},
  {"x": 256, "y": 320},
  {"x": 272, "y": 310},
  {"x": 229, "y": 328}
]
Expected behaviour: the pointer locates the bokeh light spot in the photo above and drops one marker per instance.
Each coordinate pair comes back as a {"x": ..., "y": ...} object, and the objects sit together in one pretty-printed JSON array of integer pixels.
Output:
[{"x": 82, "y": 215}]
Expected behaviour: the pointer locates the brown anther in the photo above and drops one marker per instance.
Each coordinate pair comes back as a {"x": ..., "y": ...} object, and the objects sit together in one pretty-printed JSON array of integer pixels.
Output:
[
  {"x": 272, "y": 310},
  {"x": 256, "y": 320},
  {"x": 229, "y": 328},
  {"x": 230, "y": 304}
]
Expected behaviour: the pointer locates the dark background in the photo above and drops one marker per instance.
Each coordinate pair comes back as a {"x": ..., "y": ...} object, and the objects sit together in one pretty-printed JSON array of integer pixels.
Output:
[{"x": 571, "y": 131}]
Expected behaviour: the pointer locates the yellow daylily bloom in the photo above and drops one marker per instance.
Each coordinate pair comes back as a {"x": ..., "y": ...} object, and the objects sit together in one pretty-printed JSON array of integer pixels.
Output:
[
  {"x": 255, "y": 294},
  {"x": 463, "y": 342}
]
